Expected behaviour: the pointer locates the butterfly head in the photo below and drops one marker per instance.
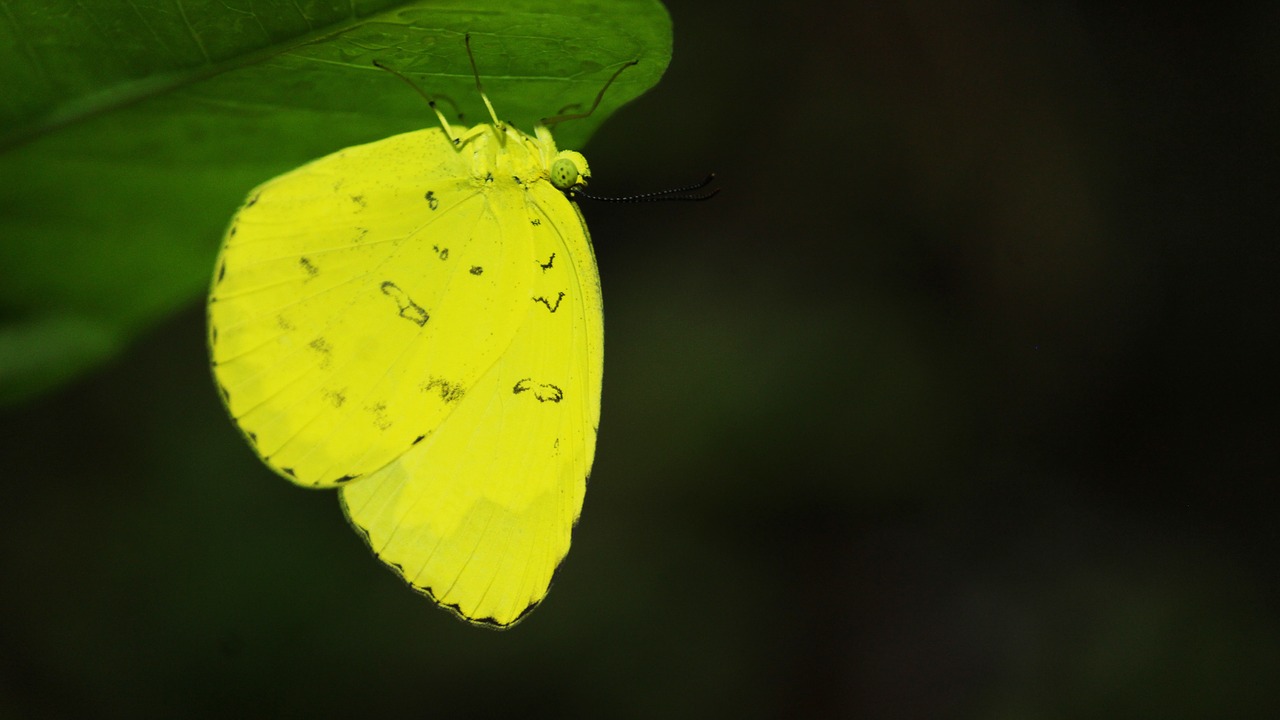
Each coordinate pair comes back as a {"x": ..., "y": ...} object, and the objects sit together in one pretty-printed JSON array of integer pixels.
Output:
[{"x": 569, "y": 171}]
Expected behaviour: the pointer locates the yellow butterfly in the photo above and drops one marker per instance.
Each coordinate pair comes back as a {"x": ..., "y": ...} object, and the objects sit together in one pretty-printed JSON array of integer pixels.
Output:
[{"x": 417, "y": 321}]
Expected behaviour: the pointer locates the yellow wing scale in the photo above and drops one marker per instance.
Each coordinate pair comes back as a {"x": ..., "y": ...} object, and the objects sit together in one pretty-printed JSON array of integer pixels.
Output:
[{"x": 420, "y": 322}]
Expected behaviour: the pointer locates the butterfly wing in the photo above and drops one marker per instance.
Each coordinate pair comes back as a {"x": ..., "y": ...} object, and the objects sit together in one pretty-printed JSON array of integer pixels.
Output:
[
  {"x": 479, "y": 514},
  {"x": 357, "y": 301},
  {"x": 416, "y": 323}
]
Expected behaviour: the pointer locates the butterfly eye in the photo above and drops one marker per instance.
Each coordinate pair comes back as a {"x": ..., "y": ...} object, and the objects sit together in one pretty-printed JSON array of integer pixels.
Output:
[{"x": 564, "y": 174}]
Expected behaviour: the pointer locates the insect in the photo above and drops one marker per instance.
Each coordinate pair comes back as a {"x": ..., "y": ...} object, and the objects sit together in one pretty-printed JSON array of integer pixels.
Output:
[{"x": 417, "y": 322}]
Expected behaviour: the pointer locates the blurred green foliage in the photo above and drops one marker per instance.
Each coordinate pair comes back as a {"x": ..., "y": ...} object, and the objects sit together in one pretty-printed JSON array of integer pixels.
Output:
[{"x": 130, "y": 132}]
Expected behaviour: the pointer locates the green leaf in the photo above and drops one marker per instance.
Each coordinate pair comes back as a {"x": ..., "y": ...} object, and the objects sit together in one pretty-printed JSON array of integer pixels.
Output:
[{"x": 130, "y": 132}]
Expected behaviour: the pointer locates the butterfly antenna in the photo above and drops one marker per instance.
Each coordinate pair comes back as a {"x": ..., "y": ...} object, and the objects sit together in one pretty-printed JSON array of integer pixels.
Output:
[
  {"x": 548, "y": 122},
  {"x": 476, "y": 72},
  {"x": 683, "y": 194},
  {"x": 431, "y": 99}
]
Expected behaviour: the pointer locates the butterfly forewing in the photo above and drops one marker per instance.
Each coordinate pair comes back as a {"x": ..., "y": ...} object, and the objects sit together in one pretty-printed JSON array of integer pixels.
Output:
[{"x": 356, "y": 301}]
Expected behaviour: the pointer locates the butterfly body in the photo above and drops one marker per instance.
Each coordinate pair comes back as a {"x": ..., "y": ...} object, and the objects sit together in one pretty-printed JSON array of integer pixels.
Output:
[{"x": 418, "y": 321}]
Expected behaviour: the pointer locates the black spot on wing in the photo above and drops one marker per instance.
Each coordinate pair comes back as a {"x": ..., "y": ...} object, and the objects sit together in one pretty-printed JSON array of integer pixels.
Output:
[
  {"x": 409, "y": 310},
  {"x": 324, "y": 350},
  {"x": 476, "y": 270},
  {"x": 308, "y": 267},
  {"x": 432, "y": 201},
  {"x": 546, "y": 302},
  {"x": 359, "y": 201},
  {"x": 449, "y": 392},
  {"x": 535, "y": 221},
  {"x": 379, "y": 412},
  {"x": 442, "y": 252},
  {"x": 344, "y": 479},
  {"x": 289, "y": 472},
  {"x": 547, "y": 265},
  {"x": 222, "y": 266},
  {"x": 543, "y": 392}
]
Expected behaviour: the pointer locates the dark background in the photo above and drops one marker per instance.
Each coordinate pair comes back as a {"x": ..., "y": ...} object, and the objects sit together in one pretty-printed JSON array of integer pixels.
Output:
[{"x": 958, "y": 401}]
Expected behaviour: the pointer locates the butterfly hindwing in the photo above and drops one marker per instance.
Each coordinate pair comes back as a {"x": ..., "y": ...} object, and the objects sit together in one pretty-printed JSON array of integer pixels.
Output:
[{"x": 479, "y": 513}]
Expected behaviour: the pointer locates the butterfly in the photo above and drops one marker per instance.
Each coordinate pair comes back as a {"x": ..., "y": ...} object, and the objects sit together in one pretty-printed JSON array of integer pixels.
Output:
[{"x": 417, "y": 322}]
